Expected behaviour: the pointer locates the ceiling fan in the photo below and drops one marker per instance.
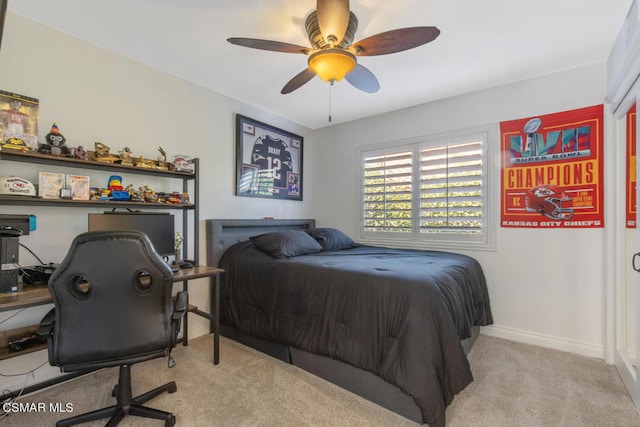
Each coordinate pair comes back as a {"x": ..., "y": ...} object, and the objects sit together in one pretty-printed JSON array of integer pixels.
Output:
[{"x": 333, "y": 56}]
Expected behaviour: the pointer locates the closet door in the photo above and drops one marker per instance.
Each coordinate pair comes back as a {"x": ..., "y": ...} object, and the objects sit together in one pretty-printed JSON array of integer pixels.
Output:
[
  {"x": 623, "y": 94},
  {"x": 627, "y": 292}
]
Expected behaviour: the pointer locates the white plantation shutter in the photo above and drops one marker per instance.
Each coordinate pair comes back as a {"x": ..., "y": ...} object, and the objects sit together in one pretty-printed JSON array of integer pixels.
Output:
[
  {"x": 451, "y": 190},
  {"x": 429, "y": 190},
  {"x": 387, "y": 192}
]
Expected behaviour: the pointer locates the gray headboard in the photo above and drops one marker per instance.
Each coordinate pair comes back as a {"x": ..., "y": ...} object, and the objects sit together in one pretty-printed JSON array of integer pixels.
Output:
[{"x": 223, "y": 233}]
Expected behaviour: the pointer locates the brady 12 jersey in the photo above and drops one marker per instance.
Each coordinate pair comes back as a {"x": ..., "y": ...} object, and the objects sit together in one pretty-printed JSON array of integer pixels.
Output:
[{"x": 272, "y": 154}]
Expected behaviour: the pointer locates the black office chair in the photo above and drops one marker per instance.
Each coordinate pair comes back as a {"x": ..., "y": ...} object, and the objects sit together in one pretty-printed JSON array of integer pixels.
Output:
[{"x": 113, "y": 307}]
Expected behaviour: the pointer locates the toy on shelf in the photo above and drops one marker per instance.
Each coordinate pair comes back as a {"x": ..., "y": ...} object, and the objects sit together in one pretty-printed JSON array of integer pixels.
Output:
[
  {"x": 148, "y": 195},
  {"x": 125, "y": 157},
  {"x": 182, "y": 163},
  {"x": 146, "y": 164},
  {"x": 162, "y": 160},
  {"x": 18, "y": 122},
  {"x": 104, "y": 194},
  {"x": 14, "y": 120},
  {"x": 134, "y": 195},
  {"x": 178, "y": 239},
  {"x": 94, "y": 193},
  {"x": 173, "y": 198},
  {"x": 81, "y": 153},
  {"x": 118, "y": 192},
  {"x": 101, "y": 153},
  {"x": 55, "y": 143},
  {"x": 15, "y": 186}
]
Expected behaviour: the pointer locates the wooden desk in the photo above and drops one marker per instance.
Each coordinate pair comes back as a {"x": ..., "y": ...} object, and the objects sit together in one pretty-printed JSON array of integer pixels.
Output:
[
  {"x": 198, "y": 272},
  {"x": 33, "y": 295},
  {"x": 27, "y": 296}
]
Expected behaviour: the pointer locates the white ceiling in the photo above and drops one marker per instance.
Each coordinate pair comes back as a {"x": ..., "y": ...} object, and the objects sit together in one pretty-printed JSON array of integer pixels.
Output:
[{"x": 483, "y": 43}]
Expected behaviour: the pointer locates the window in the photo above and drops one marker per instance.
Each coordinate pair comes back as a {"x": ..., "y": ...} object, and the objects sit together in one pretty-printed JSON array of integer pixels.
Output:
[
  {"x": 433, "y": 190},
  {"x": 451, "y": 189},
  {"x": 388, "y": 191}
]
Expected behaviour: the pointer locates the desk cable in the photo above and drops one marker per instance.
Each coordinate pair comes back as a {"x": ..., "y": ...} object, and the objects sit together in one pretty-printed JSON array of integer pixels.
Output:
[
  {"x": 12, "y": 316},
  {"x": 7, "y": 395},
  {"x": 32, "y": 253}
]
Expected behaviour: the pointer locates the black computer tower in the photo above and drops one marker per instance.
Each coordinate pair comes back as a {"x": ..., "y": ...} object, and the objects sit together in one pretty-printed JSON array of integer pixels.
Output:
[{"x": 9, "y": 262}]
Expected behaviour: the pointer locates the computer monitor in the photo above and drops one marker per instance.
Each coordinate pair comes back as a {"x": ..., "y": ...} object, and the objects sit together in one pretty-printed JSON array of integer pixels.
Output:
[{"x": 160, "y": 227}]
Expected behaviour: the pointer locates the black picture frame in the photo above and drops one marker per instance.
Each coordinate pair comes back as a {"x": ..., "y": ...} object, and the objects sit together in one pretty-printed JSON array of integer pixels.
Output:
[{"x": 268, "y": 161}]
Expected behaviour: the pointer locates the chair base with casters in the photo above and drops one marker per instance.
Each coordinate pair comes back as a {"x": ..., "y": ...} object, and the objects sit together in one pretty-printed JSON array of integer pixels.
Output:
[{"x": 127, "y": 405}]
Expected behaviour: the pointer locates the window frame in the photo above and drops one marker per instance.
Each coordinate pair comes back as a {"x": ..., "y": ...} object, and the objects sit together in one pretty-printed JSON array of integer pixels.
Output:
[{"x": 414, "y": 239}]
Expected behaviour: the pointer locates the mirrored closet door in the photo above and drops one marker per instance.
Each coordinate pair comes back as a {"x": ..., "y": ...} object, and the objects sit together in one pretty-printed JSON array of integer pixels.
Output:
[
  {"x": 623, "y": 94},
  {"x": 627, "y": 296}
]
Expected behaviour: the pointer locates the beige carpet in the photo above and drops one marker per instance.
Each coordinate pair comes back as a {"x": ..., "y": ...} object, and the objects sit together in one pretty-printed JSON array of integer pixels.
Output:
[{"x": 515, "y": 385}]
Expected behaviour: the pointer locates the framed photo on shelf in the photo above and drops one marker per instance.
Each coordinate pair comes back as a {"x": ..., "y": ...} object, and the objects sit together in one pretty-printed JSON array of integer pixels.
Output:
[
  {"x": 50, "y": 184},
  {"x": 268, "y": 161},
  {"x": 79, "y": 186}
]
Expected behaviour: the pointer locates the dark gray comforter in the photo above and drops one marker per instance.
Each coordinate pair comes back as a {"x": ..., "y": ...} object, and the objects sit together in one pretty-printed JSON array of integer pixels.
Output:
[{"x": 397, "y": 313}]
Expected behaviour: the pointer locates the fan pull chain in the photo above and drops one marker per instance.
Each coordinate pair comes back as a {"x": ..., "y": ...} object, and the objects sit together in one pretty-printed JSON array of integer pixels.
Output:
[{"x": 330, "y": 86}]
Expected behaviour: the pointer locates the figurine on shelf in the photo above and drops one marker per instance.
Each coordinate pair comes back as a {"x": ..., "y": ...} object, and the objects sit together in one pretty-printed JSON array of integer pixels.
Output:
[
  {"x": 94, "y": 193},
  {"x": 81, "y": 153},
  {"x": 162, "y": 160},
  {"x": 178, "y": 243},
  {"x": 148, "y": 195},
  {"x": 14, "y": 120},
  {"x": 102, "y": 154},
  {"x": 55, "y": 143},
  {"x": 134, "y": 195},
  {"x": 147, "y": 164},
  {"x": 125, "y": 157}
]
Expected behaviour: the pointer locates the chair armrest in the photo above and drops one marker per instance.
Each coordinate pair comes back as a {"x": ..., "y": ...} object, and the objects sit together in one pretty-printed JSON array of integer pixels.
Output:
[
  {"x": 46, "y": 324},
  {"x": 180, "y": 305}
]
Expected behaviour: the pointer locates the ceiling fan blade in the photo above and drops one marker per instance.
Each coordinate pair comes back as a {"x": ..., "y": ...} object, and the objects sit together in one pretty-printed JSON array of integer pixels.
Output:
[
  {"x": 299, "y": 80},
  {"x": 268, "y": 45},
  {"x": 333, "y": 18},
  {"x": 363, "y": 79},
  {"x": 395, "y": 41}
]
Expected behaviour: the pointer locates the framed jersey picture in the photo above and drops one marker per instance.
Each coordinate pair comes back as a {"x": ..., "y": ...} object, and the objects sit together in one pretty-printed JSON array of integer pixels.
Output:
[{"x": 268, "y": 161}]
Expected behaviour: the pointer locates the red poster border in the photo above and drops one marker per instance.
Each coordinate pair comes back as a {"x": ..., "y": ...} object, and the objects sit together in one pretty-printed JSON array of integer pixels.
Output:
[{"x": 516, "y": 195}]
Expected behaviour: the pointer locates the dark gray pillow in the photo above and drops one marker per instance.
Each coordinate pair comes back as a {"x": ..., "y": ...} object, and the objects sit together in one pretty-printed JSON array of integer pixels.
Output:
[
  {"x": 286, "y": 244},
  {"x": 332, "y": 239}
]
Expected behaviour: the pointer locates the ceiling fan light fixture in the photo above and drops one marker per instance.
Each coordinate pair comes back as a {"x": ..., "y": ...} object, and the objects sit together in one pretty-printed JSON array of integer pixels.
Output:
[{"x": 332, "y": 64}]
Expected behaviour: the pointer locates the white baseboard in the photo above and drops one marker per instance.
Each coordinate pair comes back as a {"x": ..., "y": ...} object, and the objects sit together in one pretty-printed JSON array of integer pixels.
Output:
[
  {"x": 196, "y": 331},
  {"x": 542, "y": 340}
]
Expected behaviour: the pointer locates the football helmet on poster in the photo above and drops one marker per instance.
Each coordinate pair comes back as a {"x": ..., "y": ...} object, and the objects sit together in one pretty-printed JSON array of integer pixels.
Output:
[{"x": 548, "y": 199}]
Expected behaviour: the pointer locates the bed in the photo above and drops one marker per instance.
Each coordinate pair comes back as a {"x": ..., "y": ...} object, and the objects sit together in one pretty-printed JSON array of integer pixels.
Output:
[{"x": 390, "y": 325}]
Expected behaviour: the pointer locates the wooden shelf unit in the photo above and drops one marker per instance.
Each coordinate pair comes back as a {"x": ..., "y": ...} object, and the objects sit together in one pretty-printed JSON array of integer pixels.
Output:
[{"x": 34, "y": 295}]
